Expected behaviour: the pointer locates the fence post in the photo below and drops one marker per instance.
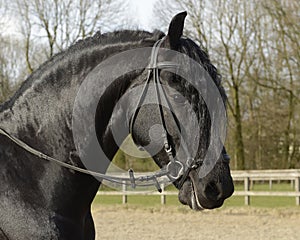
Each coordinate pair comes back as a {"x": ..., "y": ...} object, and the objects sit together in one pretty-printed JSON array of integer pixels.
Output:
[
  {"x": 163, "y": 196},
  {"x": 247, "y": 188},
  {"x": 124, "y": 196},
  {"x": 292, "y": 183},
  {"x": 297, "y": 189}
]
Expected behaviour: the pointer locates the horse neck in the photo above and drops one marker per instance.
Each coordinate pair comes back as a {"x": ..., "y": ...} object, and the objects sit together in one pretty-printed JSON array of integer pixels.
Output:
[
  {"x": 41, "y": 117},
  {"x": 42, "y": 109}
]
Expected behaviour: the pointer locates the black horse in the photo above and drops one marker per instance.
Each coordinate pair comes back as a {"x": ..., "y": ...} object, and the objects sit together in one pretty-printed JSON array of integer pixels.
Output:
[{"x": 42, "y": 200}]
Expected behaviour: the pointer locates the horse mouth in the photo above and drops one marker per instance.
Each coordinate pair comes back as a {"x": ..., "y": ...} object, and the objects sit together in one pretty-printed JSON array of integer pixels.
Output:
[{"x": 188, "y": 194}]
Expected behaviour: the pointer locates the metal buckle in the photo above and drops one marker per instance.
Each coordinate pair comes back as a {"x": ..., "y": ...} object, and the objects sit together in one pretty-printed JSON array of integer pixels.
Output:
[
  {"x": 190, "y": 162},
  {"x": 168, "y": 149},
  {"x": 132, "y": 178}
]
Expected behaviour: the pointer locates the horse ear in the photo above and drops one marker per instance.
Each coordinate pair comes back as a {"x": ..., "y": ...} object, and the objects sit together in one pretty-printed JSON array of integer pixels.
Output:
[{"x": 176, "y": 29}]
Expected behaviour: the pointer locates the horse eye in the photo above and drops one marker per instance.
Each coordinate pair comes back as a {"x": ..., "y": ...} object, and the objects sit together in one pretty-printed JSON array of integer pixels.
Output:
[{"x": 178, "y": 98}]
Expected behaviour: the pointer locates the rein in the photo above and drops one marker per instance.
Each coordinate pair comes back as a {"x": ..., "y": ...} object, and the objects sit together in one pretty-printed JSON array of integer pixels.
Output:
[
  {"x": 174, "y": 170},
  {"x": 132, "y": 180}
]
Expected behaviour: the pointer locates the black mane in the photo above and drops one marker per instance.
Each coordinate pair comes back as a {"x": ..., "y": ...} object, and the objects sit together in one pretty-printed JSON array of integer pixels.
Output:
[
  {"x": 198, "y": 54},
  {"x": 75, "y": 55},
  {"x": 99, "y": 40}
]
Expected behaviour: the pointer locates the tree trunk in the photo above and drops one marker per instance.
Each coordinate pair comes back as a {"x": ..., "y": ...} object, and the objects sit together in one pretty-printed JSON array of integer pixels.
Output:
[{"x": 239, "y": 143}]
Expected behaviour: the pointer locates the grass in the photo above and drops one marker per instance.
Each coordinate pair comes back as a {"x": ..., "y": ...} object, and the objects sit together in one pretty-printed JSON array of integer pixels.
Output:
[
  {"x": 235, "y": 201},
  {"x": 266, "y": 202},
  {"x": 136, "y": 200},
  {"x": 260, "y": 201},
  {"x": 265, "y": 187}
]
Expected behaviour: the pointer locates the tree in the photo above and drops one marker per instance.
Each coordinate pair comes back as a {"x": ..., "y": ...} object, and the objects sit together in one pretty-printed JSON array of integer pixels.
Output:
[
  {"x": 282, "y": 78},
  {"x": 8, "y": 69},
  {"x": 218, "y": 28},
  {"x": 255, "y": 46},
  {"x": 58, "y": 24},
  {"x": 46, "y": 27}
]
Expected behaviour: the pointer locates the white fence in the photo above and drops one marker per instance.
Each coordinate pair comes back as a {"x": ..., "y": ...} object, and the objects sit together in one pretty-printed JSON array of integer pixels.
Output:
[{"x": 247, "y": 177}]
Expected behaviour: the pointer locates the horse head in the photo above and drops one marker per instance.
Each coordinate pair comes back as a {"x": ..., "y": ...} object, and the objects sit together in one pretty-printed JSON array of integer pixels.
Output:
[{"x": 172, "y": 121}]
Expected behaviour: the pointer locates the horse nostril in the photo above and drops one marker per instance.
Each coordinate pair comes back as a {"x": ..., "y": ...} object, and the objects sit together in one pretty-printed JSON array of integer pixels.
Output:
[{"x": 213, "y": 192}]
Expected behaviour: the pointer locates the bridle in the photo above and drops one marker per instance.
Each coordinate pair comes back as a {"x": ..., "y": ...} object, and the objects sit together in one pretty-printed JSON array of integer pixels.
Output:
[
  {"x": 174, "y": 170},
  {"x": 172, "y": 167}
]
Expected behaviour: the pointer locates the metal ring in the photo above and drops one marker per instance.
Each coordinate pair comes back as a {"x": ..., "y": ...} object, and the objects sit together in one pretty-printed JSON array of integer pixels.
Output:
[{"x": 180, "y": 172}]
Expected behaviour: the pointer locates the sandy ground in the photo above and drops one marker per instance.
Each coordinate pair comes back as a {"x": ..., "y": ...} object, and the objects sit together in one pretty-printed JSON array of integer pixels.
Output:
[{"x": 181, "y": 223}]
